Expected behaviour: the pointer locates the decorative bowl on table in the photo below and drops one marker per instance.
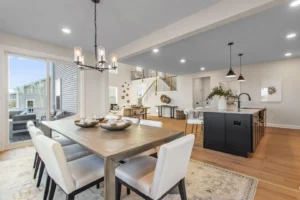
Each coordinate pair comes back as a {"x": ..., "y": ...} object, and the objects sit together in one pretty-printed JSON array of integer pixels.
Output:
[
  {"x": 86, "y": 124},
  {"x": 115, "y": 125},
  {"x": 100, "y": 119}
]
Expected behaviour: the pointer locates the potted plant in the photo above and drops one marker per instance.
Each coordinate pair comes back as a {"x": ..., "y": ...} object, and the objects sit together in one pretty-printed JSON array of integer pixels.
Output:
[{"x": 223, "y": 95}]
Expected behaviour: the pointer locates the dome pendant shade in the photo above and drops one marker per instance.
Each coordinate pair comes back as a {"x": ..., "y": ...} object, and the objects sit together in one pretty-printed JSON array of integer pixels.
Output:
[
  {"x": 230, "y": 73},
  {"x": 241, "y": 78}
]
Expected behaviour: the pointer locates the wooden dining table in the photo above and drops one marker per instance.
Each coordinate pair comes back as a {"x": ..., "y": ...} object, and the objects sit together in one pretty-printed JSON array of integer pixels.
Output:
[{"x": 112, "y": 146}]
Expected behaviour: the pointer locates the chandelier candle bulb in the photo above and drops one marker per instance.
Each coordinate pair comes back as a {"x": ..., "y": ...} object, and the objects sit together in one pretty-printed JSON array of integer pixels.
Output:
[
  {"x": 114, "y": 61},
  {"x": 77, "y": 54},
  {"x": 101, "y": 54},
  {"x": 81, "y": 60}
]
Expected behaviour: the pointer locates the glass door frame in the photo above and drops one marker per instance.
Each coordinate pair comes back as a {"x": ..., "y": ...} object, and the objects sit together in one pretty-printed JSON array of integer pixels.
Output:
[{"x": 5, "y": 52}]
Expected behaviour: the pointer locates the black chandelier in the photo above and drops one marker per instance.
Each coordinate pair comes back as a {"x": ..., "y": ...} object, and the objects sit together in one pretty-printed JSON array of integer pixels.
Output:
[{"x": 99, "y": 52}]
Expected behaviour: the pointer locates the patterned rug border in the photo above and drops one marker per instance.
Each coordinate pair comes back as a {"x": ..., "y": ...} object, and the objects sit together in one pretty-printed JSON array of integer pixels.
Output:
[{"x": 255, "y": 180}]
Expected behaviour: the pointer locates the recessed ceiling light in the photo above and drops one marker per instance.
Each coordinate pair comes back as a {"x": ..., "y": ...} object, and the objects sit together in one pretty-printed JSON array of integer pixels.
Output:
[
  {"x": 155, "y": 50},
  {"x": 288, "y": 54},
  {"x": 66, "y": 30},
  {"x": 291, "y": 35},
  {"x": 202, "y": 68},
  {"x": 295, "y": 3},
  {"x": 182, "y": 60}
]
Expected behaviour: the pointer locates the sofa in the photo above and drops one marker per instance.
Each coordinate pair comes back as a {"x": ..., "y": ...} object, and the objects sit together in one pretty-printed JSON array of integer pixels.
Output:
[
  {"x": 18, "y": 121},
  {"x": 58, "y": 114}
]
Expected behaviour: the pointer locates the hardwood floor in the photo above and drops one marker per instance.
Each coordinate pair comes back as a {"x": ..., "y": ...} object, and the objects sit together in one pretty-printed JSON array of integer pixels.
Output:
[{"x": 276, "y": 162}]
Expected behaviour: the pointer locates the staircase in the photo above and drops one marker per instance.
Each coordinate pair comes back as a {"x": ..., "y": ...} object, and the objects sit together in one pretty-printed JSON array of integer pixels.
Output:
[{"x": 160, "y": 85}]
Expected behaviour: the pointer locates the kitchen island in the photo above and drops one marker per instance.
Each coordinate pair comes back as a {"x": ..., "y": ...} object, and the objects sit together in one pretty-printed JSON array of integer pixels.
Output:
[{"x": 234, "y": 131}]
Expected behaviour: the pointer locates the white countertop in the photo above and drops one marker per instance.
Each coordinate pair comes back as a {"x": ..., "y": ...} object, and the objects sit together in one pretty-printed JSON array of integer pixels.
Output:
[{"x": 249, "y": 110}]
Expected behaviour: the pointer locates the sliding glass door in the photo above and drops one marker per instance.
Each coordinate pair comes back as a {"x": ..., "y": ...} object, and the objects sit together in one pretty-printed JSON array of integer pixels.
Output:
[
  {"x": 38, "y": 90},
  {"x": 27, "y": 95}
]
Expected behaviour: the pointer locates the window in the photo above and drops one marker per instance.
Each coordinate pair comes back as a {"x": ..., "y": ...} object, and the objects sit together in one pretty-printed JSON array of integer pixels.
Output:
[{"x": 30, "y": 103}]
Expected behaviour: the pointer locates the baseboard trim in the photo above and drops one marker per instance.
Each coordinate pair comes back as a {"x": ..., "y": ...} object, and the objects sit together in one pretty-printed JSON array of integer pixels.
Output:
[{"x": 283, "y": 126}]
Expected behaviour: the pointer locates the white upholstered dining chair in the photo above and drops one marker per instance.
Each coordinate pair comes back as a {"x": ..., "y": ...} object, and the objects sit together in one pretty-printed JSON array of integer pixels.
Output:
[
  {"x": 153, "y": 178},
  {"x": 133, "y": 120},
  {"x": 72, "y": 177},
  {"x": 72, "y": 152},
  {"x": 151, "y": 123},
  {"x": 109, "y": 117},
  {"x": 151, "y": 152}
]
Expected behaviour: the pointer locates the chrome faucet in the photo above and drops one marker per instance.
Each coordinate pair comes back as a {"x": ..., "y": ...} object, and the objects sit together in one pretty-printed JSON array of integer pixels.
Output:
[{"x": 239, "y": 99}]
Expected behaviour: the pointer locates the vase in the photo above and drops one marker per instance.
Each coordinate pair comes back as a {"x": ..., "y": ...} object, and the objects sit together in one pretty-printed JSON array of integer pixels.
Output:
[{"x": 222, "y": 103}]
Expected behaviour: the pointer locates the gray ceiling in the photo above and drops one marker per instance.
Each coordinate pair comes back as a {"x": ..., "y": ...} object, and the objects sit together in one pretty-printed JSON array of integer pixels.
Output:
[
  {"x": 260, "y": 37},
  {"x": 119, "y": 21}
]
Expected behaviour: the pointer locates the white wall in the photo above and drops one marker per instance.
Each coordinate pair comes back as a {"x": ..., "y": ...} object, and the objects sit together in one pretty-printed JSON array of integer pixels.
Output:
[
  {"x": 284, "y": 114},
  {"x": 117, "y": 80},
  {"x": 94, "y": 87}
]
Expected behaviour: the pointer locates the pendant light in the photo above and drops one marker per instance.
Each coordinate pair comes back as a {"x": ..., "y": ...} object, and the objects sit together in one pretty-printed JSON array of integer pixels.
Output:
[
  {"x": 230, "y": 73},
  {"x": 241, "y": 78}
]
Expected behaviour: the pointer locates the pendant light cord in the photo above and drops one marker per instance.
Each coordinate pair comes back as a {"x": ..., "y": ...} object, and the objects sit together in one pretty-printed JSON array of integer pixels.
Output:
[
  {"x": 230, "y": 57},
  {"x": 95, "y": 23},
  {"x": 240, "y": 64}
]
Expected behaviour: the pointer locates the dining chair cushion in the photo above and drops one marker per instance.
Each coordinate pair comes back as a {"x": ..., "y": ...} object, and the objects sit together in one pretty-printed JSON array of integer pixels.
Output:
[
  {"x": 133, "y": 120},
  {"x": 151, "y": 123},
  {"x": 138, "y": 173},
  {"x": 75, "y": 151},
  {"x": 86, "y": 170},
  {"x": 171, "y": 165},
  {"x": 194, "y": 121},
  {"x": 108, "y": 117},
  {"x": 63, "y": 140},
  {"x": 52, "y": 154}
]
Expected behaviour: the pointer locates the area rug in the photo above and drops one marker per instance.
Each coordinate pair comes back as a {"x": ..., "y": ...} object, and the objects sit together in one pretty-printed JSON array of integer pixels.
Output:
[{"x": 203, "y": 182}]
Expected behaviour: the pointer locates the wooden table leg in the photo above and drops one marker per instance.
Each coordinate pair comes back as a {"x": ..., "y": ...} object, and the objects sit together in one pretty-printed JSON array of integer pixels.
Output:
[{"x": 109, "y": 180}]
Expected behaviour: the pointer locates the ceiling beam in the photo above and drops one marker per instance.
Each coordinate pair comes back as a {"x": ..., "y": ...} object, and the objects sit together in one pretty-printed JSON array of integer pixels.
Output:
[{"x": 217, "y": 15}]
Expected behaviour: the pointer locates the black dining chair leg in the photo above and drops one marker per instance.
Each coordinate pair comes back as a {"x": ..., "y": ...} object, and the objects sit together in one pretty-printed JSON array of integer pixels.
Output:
[
  {"x": 98, "y": 185},
  {"x": 182, "y": 190},
  {"x": 37, "y": 166},
  {"x": 118, "y": 189},
  {"x": 42, "y": 167},
  {"x": 70, "y": 196},
  {"x": 47, "y": 188},
  {"x": 128, "y": 191},
  {"x": 35, "y": 158},
  {"x": 52, "y": 189}
]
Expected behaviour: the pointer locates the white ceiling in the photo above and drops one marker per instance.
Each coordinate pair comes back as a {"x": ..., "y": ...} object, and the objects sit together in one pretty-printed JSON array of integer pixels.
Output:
[
  {"x": 119, "y": 21},
  {"x": 260, "y": 37}
]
